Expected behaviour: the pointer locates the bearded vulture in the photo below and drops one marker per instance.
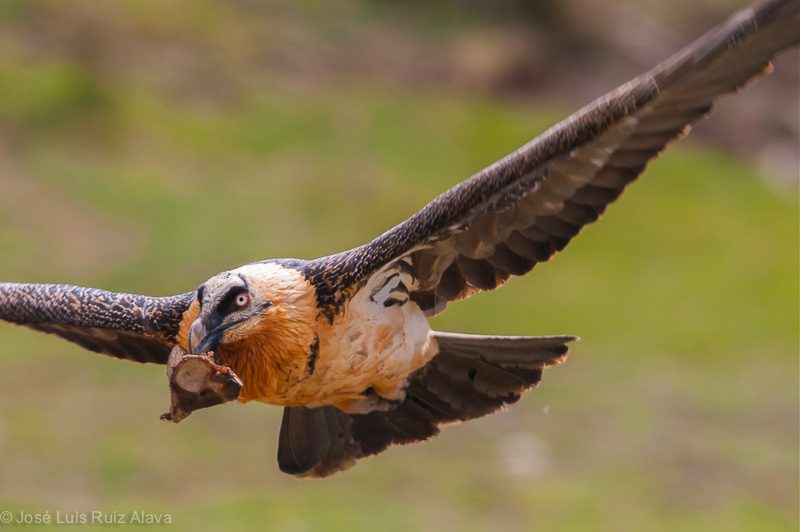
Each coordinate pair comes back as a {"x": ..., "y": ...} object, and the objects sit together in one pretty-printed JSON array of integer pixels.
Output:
[{"x": 342, "y": 342}]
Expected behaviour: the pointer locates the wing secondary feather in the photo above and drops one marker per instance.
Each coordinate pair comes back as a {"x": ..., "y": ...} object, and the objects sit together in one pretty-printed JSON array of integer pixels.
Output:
[{"x": 526, "y": 207}]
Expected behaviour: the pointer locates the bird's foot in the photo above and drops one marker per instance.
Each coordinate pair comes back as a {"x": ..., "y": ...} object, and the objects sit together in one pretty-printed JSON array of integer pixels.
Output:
[{"x": 195, "y": 382}]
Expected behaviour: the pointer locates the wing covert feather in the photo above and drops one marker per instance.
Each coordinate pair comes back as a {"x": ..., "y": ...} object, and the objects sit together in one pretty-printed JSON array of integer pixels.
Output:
[
  {"x": 127, "y": 326},
  {"x": 526, "y": 207}
]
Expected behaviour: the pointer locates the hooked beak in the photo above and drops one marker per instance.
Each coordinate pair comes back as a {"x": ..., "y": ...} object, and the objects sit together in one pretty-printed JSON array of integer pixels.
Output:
[{"x": 202, "y": 340}]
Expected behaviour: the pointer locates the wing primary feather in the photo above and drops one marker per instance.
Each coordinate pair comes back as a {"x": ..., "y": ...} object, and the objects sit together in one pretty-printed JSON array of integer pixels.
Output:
[{"x": 586, "y": 160}]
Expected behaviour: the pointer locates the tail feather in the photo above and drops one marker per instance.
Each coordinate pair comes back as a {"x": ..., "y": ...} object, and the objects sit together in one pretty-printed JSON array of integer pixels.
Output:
[
  {"x": 470, "y": 377},
  {"x": 314, "y": 437}
]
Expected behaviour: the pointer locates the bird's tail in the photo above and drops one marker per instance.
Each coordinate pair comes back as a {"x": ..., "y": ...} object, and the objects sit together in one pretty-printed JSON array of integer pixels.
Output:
[{"x": 471, "y": 376}]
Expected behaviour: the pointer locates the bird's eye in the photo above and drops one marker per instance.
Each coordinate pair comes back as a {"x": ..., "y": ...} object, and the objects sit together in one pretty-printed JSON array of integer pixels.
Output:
[{"x": 242, "y": 300}]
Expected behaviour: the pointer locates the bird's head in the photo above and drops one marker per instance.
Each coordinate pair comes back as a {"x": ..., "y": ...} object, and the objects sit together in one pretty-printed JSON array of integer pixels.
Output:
[{"x": 247, "y": 302}]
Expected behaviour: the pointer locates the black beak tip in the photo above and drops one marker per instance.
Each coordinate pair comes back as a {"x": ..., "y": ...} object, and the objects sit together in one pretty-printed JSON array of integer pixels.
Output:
[
  {"x": 198, "y": 338},
  {"x": 202, "y": 341}
]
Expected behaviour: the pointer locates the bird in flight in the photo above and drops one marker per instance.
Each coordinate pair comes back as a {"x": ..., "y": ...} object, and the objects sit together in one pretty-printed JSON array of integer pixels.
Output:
[{"x": 343, "y": 342}]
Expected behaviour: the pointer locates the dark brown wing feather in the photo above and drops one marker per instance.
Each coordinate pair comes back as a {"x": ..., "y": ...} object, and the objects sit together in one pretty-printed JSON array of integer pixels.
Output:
[
  {"x": 526, "y": 207},
  {"x": 127, "y": 326},
  {"x": 472, "y": 376}
]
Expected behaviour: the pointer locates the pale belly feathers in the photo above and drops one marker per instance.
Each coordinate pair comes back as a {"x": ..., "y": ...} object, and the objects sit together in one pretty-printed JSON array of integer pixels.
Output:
[
  {"x": 372, "y": 347},
  {"x": 364, "y": 357}
]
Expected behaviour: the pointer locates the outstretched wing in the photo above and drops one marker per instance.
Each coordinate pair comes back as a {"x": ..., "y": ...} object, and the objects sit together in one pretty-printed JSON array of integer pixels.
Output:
[
  {"x": 472, "y": 376},
  {"x": 128, "y": 326},
  {"x": 523, "y": 209}
]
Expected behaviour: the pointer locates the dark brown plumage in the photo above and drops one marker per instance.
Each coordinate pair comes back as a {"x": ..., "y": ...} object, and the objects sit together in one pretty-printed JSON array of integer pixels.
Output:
[
  {"x": 473, "y": 375},
  {"x": 342, "y": 341},
  {"x": 524, "y": 208},
  {"x": 127, "y": 326}
]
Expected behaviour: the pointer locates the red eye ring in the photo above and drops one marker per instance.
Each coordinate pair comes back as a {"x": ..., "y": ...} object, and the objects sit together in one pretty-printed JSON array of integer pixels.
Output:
[{"x": 242, "y": 299}]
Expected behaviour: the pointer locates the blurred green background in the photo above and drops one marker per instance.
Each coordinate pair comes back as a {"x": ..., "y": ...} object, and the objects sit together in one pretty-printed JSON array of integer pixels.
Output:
[{"x": 146, "y": 145}]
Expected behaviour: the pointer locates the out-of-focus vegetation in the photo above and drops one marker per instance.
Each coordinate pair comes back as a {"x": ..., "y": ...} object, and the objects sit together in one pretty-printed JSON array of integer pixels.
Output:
[{"x": 146, "y": 145}]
